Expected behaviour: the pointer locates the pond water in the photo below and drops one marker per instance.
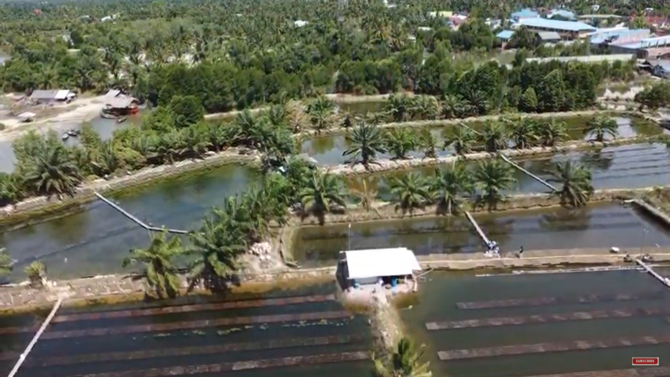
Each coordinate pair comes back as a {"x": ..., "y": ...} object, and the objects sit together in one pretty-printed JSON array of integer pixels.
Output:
[
  {"x": 262, "y": 333},
  {"x": 95, "y": 240},
  {"x": 327, "y": 150},
  {"x": 596, "y": 226},
  {"x": 625, "y": 166},
  {"x": 104, "y": 127},
  {"x": 437, "y": 302}
]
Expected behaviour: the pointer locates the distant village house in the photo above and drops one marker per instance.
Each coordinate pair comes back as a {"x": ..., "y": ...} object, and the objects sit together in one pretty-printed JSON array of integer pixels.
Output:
[
  {"x": 51, "y": 96},
  {"x": 117, "y": 103}
]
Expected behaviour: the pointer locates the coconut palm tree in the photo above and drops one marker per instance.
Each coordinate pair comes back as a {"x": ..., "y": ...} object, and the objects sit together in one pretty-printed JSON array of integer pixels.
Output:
[
  {"x": 158, "y": 269},
  {"x": 523, "y": 133},
  {"x": 398, "y": 107},
  {"x": 453, "y": 106},
  {"x": 364, "y": 189},
  {"x": 400, "y": 141},
  {"x": 461, "y": 140},
  {"x": 323, "y": 191},
  {"x": 600, "y": 127},
  {"x": 5, "y": 262},
  {"x": 321, "y": 113},
  {"x": 576, "y": 181},
  {"x": 411, "y": 190},
  {"x": 428, "y": 143},
  {"x": 551, "y": 132},
  {"x": 494, "y": 137},
  {"x": 405, "y": 362},
  {"x": 448, "y": 187},
  {"x": 493, "y": 177},
  {"x": 365, "y": 143},
  {"x": 52, "y": 170},
  {"x": 37, "y": 274}
]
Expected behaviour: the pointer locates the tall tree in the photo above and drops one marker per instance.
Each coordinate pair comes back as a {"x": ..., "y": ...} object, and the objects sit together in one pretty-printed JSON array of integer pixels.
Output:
[
  {"x": 575, "y": 180},
  {"x": 365, "y": 143}
]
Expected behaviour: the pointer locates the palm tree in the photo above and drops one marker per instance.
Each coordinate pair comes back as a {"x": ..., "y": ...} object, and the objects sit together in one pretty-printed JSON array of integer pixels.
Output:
[
  {"x": 323, "y": 191},
  {"x": 160, "y": 273},
  {"x": 412, "y": 191},
  {"x": 404, "y": 362},
  {"x": 216, "y": 246},
  {"x": 493, "y": 177},
  {"x": 552, "y": 132},
  {"x": 576, "y": 181},
  {"x": 523, "y": 133},
  {"x": 365, "y": 190},
  {"x": 461, "y": 140},
  {"x": 52, "y": 169},
  {"x": 321, "y": 113},
  {"x": 365, "y": 143},
  {"x": 494, "y": 137},
  {"x": 400, "y": 141},
  {"x": 448, "y": 187},
  {"x": 453, "y": 106},
  {"x": 600, "y": 127},
  {"x": 37, "y": 274},
  {"x": 398, "y": 107},
  {"x": 5, "y": 262},
  {"x": 428, "y": 143}
]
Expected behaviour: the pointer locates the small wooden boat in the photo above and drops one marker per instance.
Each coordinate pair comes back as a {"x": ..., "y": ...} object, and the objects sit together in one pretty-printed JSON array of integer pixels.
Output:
[
  {"x": 73, "y": 133},
  {"x": 65, "y": 136},
  {"x": 122, "y": 119}
]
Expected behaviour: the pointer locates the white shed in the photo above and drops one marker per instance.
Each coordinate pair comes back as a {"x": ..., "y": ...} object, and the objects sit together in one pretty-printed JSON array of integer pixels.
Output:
[{"x": 368, "y": 266}]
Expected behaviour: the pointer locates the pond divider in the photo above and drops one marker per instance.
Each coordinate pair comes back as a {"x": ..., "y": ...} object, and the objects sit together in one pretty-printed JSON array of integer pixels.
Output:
[
  {"x": 575, "y": 345},
  {"x": 632, "y": 372},
  {"x": 665, "y": 281},
  {"x": 239, "y": 365},
  {"x": 135, "y": 219},
  {"x": 535, "y": 177},
  {"x": 32, "y": 343},
  {"x": 194, "y": 325},
  {"x": 203, "y": 350},
  {"x": 542, "y": 301},
  {"x": 547, "y": 318},
  {"x": 195, "y": 308},
  {"x": 479, "y": 230}
]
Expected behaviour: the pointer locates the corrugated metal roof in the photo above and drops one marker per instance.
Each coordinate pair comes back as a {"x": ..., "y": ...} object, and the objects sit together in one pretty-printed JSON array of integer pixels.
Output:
[
  {"x": 120, "y": 102},
  {"x": 585, "y": 59},
  {"x": 44, "y": 94},
  {"x": 555, "y": 24},
  {"x": 620, "y": 36},
  {"x": 505, "y": 34},
  {"x": 549, "y": 35},
  {"x": 372, "y": 263},
  {"x": 525, "y": 13}
]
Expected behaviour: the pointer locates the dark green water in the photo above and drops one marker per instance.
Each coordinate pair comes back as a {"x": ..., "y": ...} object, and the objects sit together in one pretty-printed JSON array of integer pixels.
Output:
[
  {"x": 626, "y": 166},
  {"x": 438, "y": 296},
  {"x": 600, "y": 226},
  {"x": 56, "y": 356},
  {"x": 328, "y": 150},
  {"x": 95, "y": 240}
]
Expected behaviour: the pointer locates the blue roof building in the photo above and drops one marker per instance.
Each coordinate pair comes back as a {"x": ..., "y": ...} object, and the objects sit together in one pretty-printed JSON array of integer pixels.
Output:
[
  {"x": 619, "y": 36},
  {"x": 543, "y": 24},
  {"x": 505, "y": 35},
  {"x": 524, "y": 13}
]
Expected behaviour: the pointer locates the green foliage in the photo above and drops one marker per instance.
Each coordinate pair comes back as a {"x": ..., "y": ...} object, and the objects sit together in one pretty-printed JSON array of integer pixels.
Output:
[
  {"x": 322, "y": 194},
  {"x": 158, "y": 269},
  {"x": 5, "y": 262},
  {"x": 575, "y": 180},
  {"x": 365, "y": 143},
  {"x": 493, "y": 177},
  {"x": 186, "y": 110},
  {"x": 36, "y": 273},
  {"x": 404, "y": 362},
  {"x": 399, "y": 142},
  {"x": 450, "y": 186},
  {"x": 655, "y": 96},
  {"x": 411, "y": 190},
  {"x": 601, "y": 127}
]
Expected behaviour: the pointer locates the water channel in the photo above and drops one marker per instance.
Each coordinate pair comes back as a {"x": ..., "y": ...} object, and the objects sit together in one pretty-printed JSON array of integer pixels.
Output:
[
  {"x": 327, "y": 150},
  {"x": 437, "y": 302},
  {"x": 231, "y": 333},
  {"x": 596, "y": 226}
]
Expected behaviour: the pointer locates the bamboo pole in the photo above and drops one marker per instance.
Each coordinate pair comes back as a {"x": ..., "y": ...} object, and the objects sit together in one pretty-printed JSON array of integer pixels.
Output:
[
  {"x": 135, "y": 219},
  {"x": 477, "y": 228},
  {"x": 535, "y": 177},
  {"x": 37, "y": 336}
]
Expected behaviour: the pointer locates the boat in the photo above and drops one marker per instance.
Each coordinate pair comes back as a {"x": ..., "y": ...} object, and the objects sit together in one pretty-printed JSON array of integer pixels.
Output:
[
  {"x": 122, "y": 119},
  {"x": 74, "y": 133},
  {"x": 65, "y": 136}
]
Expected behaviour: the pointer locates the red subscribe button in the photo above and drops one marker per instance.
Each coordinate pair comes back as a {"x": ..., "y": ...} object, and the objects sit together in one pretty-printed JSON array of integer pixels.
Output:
[{"x": 646, "y": 361}]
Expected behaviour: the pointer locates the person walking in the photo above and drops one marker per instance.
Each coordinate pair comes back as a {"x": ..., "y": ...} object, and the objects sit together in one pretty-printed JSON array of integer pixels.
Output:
[{"x": 520, "y": 253}]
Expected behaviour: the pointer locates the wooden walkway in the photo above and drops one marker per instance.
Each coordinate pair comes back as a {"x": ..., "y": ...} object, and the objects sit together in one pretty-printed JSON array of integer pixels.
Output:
[
  {"x": 555, "y": 300},
  {"x": 653, "y": 273},
  {"x": 576, "y": 345},
  {"x": 547, "y": 318},
  {"x": 479, "y": 230},
  {"x": 535, "y": 177}
]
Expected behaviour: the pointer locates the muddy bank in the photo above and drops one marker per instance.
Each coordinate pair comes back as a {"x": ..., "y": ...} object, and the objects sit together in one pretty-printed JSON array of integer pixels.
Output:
[
  {"x": 381, "y": 166},
  {"x": 44, "y": 206}
]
